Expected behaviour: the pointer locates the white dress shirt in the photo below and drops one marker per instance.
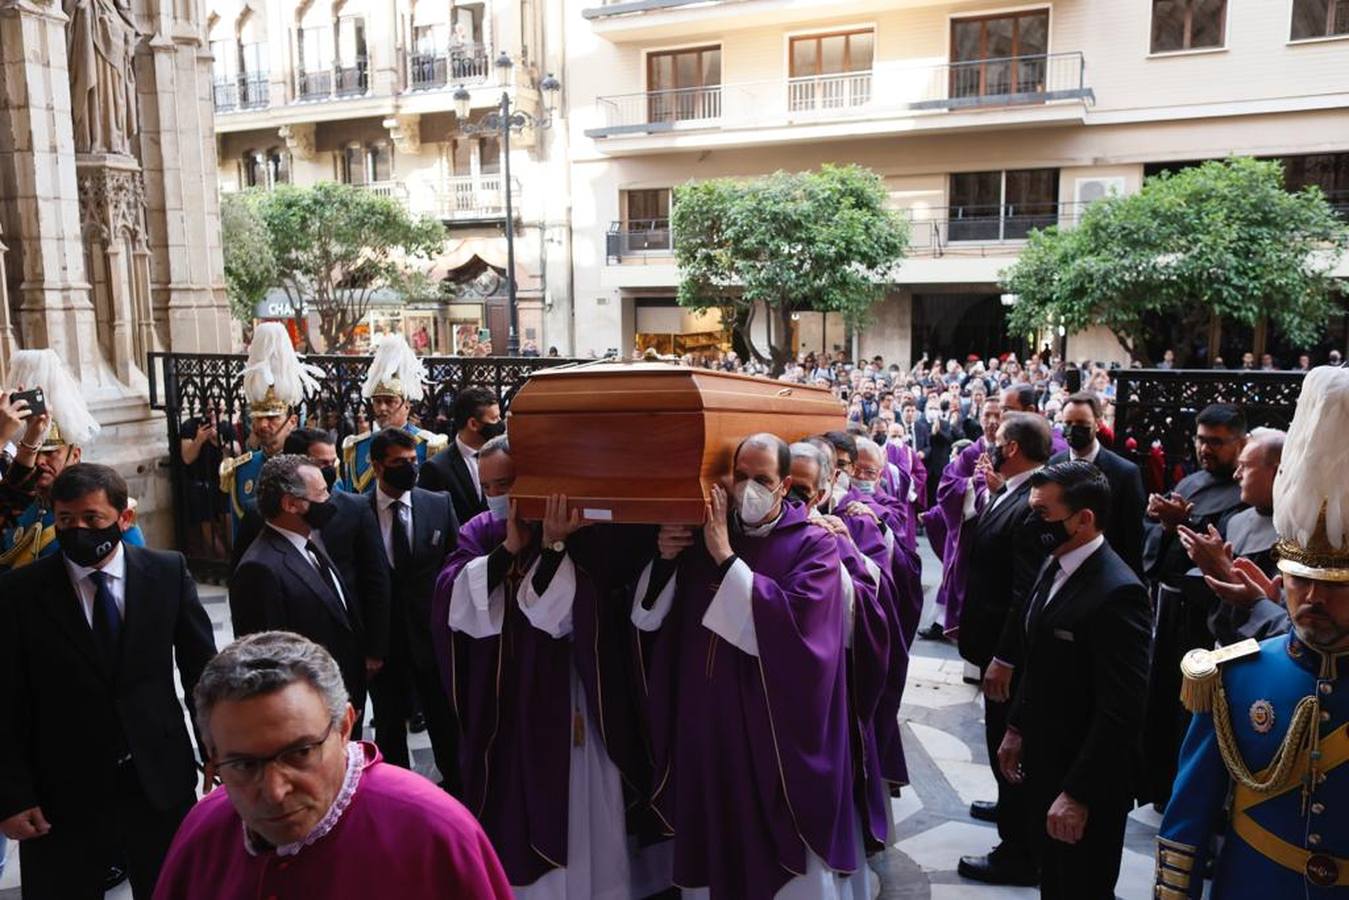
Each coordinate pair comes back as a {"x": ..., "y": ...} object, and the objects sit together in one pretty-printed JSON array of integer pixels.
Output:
[
  {"x": 471, "y": 461},
  {"x": 85, "y": 588},
  {"x": 1013, "y": 484},
  {"x": 385, "y": 508},
  {"x": 298, "y": 541},
  {"x": 1090, "y": 455},
  {"x": 1069, "y": 563}
]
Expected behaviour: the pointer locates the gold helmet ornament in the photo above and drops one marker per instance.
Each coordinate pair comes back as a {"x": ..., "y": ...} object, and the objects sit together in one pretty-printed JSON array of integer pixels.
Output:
[
  {"x": 72, "y": 425},
  {"x": 395, "y": 371},
  {"x": 1311, "y": 490},
  {"x": 274, "y": 377}
]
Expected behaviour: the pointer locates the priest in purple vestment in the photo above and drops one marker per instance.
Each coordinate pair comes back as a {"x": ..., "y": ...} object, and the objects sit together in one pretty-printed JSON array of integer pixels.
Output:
[
  {"x": 742, "y": 650},
  {"x": 305, "y": 811},
  {"x": 534, "y": 646},
  {"x": 867, "y": 639}
]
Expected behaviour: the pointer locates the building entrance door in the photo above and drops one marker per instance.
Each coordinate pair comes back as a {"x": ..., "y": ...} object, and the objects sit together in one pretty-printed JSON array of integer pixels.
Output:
[{"x": 953, "y": 326}]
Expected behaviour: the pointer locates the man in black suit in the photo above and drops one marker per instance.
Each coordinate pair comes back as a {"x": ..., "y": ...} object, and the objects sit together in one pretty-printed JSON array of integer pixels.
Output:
[
  {"x": 287, "y": 580},
  {"x": 1005, "y": 557},
  {"x": 1128, "y": 504},
  {"x": 417, "y": 530},
  {"x": 1073, "y": 730},
  {"x": 96, "y": 765},
  {"x": 477, "y": 419}
]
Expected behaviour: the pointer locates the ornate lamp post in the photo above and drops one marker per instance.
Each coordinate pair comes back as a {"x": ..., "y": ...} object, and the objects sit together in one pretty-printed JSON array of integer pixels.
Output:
[{"x": 502, "y": 121}]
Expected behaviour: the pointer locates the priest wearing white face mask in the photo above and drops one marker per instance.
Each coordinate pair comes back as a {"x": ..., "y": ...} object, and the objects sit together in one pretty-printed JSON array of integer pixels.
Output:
[{"x": 746, "y": 692}]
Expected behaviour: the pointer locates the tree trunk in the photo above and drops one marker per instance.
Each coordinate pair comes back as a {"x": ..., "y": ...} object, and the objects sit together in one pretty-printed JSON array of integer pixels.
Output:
[{"x": 780, "y": 345}]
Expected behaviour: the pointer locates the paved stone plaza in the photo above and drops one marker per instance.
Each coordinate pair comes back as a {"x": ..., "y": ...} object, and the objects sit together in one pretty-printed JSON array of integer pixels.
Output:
[{"x": 944, "y": 746}]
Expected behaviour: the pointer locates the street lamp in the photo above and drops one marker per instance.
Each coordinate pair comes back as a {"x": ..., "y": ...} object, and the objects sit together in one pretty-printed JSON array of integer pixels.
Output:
[{"x": 502, "y": 121}]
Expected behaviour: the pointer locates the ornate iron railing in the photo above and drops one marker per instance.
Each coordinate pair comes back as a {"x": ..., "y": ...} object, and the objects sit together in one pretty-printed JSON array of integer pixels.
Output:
[
  {"x": 188, "y": 386},
  {"x": 1160, "y": 405}
]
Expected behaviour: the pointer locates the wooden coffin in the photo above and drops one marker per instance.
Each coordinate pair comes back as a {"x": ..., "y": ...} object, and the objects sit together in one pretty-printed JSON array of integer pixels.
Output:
[{"x": 644, "y": 442}]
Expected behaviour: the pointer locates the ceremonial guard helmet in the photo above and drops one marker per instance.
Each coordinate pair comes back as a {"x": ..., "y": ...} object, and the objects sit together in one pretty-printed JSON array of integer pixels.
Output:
[
  {"x": 395, "y": 371},
  {"x": 1311, "y": 491},
  {"x": 72, "y": 425},
  {"x": 274, "y": 377}
]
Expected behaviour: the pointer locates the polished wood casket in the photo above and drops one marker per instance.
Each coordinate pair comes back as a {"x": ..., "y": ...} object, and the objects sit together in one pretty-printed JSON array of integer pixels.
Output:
[{"x": 644, "y": 442}]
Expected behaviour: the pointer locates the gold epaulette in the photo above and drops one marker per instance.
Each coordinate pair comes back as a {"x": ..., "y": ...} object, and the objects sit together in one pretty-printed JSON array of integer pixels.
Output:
[
  {"x": 227, "y": 468},
  {"x": 352, "y": 440},
  {"x": 1199, "y": 673},
  {"x": 435, "y": 442}
]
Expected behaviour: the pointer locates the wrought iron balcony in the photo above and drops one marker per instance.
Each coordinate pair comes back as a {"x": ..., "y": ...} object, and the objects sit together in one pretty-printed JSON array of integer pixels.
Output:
[
  {"x": 339, "y": 81},
  {"x": 993, "y": 230},
  {"x": 638, "y": 237},
  {"x": 466, "y": 64},
  {"x": 249, "y": 91},
  {"x": 901, "y": 91}
]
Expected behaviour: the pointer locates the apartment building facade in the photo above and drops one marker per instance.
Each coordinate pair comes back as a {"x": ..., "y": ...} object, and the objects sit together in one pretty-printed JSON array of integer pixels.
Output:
[
  {"x": 371, "y": 93},
  {"x": 985, "y": 120}
]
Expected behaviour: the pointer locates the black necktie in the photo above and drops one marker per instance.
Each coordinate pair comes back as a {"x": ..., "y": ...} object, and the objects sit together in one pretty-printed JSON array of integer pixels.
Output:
[
  {"x": 107, "y": 619},
  {"x": 1040, "y": 596},
  {"x": 402, "y": 547},
  {"x": 329, "y": 576}
]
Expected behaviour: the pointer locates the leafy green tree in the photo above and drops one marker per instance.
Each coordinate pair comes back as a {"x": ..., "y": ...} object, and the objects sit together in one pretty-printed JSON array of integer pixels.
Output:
[
  {"x": 337, "y": 245},
  {"x": 1223, "y": 241},
  {"x": 812, "y": 241},
  {"x": 250, "y": 267}
]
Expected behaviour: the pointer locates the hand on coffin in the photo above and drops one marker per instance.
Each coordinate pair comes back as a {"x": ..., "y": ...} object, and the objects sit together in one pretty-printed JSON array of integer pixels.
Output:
[
  {"x": 557, "y": 525},
  {"x": 716, "y": 534},
  {"x": 673, "y": 540},
  {"x": 518, "y": 533}
]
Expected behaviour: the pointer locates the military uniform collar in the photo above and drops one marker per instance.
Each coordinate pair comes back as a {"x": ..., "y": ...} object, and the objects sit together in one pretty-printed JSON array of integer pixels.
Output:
[{"x": 1324, "y": 666}]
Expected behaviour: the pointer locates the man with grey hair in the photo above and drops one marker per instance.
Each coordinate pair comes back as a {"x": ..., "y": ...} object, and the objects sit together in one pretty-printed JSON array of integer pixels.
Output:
[
  {"x": 306, "y": 811},
  {"x": 287, "y": 580},
  {"x": 1232, "y": 574}
]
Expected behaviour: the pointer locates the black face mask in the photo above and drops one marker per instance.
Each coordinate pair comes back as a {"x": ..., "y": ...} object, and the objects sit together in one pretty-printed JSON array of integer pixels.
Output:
[
  {"x": 996, "y": 457},
  {"x": 319, "y": 514},
  {"x": 401, "y": 478},
  {"x": 800, "y": 495},
  {"x": 88, "y": 546},
  {"x": 1051, "y": 535},
  {"x": 489, "y": 430},
  {"x": 1079, "y": 437},
  {"x": 329, "y": 475}
]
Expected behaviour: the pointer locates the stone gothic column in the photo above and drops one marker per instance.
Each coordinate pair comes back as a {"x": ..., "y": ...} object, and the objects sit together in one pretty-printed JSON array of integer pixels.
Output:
[
  {"x": 178, "y": 158},
  {"x": 37, "y": 176}
]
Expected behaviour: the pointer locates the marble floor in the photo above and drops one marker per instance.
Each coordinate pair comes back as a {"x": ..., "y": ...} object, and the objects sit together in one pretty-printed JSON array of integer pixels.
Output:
[{"x": 943, "y": 740}]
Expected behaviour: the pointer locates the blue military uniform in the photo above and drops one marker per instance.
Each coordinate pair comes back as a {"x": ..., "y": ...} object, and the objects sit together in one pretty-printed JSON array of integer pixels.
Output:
[
  {"x": 33, "y": 537},
  {"x": 1286, "y": 839},
  {"x": 356, "y": 468},
  {"x": 239, "y": 480}
]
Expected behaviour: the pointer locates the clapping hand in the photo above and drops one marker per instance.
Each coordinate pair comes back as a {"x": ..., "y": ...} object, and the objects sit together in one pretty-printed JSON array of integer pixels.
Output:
[
  {"x": 1246, "y": 585},
  {"x": 1209, "y": 552},
  {"x": 1172, "y": 511}
]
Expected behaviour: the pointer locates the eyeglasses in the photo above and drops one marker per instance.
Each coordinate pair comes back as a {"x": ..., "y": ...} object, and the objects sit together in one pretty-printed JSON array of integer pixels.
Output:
[{"x": 242, "y": 771}]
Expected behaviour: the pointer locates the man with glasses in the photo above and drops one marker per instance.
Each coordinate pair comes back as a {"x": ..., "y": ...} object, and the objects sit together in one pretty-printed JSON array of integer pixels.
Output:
[
  {"x": 1209, "y": 496},
  {"x": 306, "y": 811}
]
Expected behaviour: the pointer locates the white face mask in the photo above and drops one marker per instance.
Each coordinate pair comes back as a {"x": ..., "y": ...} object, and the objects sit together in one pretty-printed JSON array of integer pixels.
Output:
[
  {"x": 754, "y": 502},
  {"x": 866, "y": 487},
  {"x": 499, "y": 507}
]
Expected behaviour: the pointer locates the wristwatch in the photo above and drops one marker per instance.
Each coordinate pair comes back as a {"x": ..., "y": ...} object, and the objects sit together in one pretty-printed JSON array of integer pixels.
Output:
[{"x": 558, "y": 546}]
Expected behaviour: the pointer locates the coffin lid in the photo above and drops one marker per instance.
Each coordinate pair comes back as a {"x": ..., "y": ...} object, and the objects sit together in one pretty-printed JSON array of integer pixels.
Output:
[{"x": 663, "y": 387}]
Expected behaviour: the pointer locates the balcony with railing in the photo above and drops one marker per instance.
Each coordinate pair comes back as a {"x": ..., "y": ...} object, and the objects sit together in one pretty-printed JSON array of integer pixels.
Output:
[
  {"x": 474, "y": 197},
  {"x": 889, "y": 91},
  {"x": 395, "y": 190},
  {"x": 996, "y": 230},
  {"x": 249, "y": 91},
  {"x": 638, "y": 238},
  {"x": 337, "y": 82},
  {"x": 468, "y": 64}
]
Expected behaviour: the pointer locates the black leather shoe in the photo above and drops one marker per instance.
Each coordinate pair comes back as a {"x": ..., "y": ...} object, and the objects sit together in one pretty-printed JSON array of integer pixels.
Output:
[
  {"x": 417, "y": 724},
  {"x": 116, "y": 875},
  {"x": 984, "y": 810},
  {"x": 933, "y": 632},
  {"x": 996, "y": 868}
]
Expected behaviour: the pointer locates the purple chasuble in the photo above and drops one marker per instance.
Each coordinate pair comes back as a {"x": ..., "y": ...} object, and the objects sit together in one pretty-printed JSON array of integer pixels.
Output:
[
  {"x": 399, "y": 836},
  {"x": 752, "y": 754},
  {"x": 512, "y": 693},
  {"x": 947, "y": 517}
]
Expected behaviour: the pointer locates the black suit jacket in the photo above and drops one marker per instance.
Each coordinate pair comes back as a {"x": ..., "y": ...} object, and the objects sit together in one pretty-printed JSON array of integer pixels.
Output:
[
  {"x": 66, "y": 716},
  {"x": 1128, "y": 505},
  {"x": 447, "y": 472},
  {"x": 276, "y": 587},
  {"x": 354, "y": 545},
  {"x": 1004, "y": 560},
  {"x": 1083, "y": 687},
  {"x": 435, "y": 532},
  {"x": 922, "y": 436}
]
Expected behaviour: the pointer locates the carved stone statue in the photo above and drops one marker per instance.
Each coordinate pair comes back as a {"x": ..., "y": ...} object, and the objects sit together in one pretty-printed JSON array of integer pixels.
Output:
[{"x": 101, "y": 48}]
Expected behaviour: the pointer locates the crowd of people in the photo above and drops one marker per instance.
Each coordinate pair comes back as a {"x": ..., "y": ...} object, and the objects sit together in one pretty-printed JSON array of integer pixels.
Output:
[{"x": 623, "y": 711}]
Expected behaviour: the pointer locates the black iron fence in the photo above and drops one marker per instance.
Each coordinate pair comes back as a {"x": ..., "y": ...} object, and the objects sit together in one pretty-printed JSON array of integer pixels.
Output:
[
  {"x": 196, "y": 388},
  {"x": 1159, "y": 406}
]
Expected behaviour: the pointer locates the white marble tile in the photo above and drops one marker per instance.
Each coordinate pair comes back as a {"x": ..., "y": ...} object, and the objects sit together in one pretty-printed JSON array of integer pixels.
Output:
[
  {"x": 1135, "y": 876},
  {"x": 1146, "y": 815},
  {"x": 933, "y": 694},
  {"x": 971, "y": 781},
  {"x": 975, "y": 891},
  {"x": 940, "y": 745},
  {"x": 939, "y": 849},
  {"x": 906, "y": 805}
]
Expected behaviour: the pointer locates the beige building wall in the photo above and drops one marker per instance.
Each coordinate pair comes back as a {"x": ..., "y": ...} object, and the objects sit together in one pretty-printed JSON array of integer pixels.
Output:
[
  {"x": 1260, "y": 94},
  {"x": 403, "y": 127}
]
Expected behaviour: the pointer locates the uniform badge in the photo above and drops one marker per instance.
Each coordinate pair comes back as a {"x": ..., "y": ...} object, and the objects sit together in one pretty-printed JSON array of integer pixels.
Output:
[
  {"x": 1262, "y": 716},
  {"x": 248, "y": 486}
]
